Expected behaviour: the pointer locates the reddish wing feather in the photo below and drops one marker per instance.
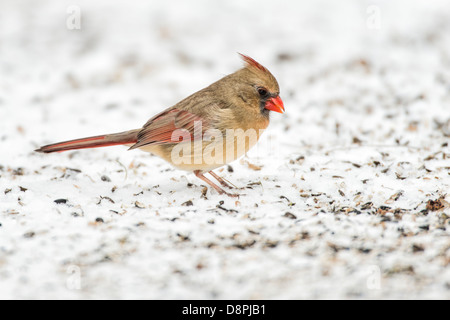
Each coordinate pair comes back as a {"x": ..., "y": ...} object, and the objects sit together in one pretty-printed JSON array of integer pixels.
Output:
[{"x": 159, "y": 129}]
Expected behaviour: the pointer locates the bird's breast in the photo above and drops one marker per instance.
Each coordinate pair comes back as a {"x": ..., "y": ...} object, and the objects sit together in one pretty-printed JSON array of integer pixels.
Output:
[{"x": 215, "y": 149}]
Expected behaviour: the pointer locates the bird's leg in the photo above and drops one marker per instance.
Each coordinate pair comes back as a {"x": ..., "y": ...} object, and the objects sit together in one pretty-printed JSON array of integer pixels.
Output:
[
  {"x": 200, "y": 175},
  {"x": 222, "y": 181}
]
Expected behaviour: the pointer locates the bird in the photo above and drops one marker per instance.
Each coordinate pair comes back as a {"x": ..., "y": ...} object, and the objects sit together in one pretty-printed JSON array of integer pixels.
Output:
[{"x": 206, "y": 130}]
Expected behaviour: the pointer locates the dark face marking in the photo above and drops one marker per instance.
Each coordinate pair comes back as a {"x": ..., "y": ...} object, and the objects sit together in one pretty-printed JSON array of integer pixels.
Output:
[{"x": 264, "y": 95}]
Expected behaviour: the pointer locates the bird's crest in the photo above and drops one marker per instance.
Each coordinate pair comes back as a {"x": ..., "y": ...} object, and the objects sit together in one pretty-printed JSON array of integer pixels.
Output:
[{"x": 252, "y": 63}]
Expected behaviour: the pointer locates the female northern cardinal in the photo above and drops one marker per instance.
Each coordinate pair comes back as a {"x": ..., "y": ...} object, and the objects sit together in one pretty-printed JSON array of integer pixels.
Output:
[{"x": 206, "y": 130}]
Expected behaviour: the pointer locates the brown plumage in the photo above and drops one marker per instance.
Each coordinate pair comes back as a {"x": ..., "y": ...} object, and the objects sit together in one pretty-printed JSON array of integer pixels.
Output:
[{"x": 206, "y": 130}]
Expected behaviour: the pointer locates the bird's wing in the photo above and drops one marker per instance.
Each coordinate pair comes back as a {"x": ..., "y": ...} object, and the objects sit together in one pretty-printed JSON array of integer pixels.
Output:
[{"x": 168, "y": 126}]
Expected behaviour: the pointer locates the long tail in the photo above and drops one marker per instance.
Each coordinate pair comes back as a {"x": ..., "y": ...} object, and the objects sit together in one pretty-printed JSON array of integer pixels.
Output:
[{"x": 127, "y": 137}]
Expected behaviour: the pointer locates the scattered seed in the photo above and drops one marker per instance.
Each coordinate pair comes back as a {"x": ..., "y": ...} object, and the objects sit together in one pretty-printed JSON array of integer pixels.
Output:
[
  {"x": 271, "y": 244},
  {"x": 304, "y": 195},
  {"x": 139, "y": 205},
  {"x": 417, "y": 248},
  {"x": 107, "y": 198},
  {"x": 290, "y": 215},
  {"x": 188, "y": 203},
  {"x": 394, "y": 197},
  {"x": 251, "y": 184},
  {"x": 19, "y": 200},
  {"x": 356, "y": 140},
  {"x": 251, "y": 165},
  {"x": 105, "y": 178},
  {"x": 226, "y": 210},
  {"x": 245, "y": 245},
  {"x": 183, "y": 237},
  {"x": 18, "y": 172},
  {"x": 367, "y": 206},
  {"x": 436, "y": 205},
  {"x": 336, "y": 248},
  {"x": 29, "y": 235},
  {"x": 399, "y": 176},
  {"x": 204, "y": 192},
  {"x": 290, "y": 204}
]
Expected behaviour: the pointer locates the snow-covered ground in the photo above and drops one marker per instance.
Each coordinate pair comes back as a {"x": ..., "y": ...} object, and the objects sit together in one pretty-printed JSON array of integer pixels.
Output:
[{"x": 346, "y": 196}]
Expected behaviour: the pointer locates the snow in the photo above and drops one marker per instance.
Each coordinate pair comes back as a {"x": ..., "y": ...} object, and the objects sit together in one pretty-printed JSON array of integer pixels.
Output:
[{"x": 341, "y": 208}]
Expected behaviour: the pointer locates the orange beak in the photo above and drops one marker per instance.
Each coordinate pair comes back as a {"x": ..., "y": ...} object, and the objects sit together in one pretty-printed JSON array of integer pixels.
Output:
[{"x": 275, "y": 104}]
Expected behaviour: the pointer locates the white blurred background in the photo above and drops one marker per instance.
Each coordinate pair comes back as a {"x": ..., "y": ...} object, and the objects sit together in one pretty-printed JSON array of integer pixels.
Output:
[{"x": 366, "y": 85}]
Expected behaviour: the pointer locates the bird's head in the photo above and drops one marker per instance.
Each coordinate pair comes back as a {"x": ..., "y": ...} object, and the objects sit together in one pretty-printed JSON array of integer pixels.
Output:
[{"x": 258, "y": 88}]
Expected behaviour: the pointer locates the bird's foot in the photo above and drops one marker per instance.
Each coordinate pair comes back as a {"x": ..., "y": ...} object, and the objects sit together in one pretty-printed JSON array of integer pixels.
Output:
[
  {"x": 224, "y": 182},
  {"x": 200, "y": 175}
]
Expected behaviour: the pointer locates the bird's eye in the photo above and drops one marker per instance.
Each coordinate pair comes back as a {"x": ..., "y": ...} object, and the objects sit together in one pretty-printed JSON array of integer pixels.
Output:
[{"x": 262, "y": 92}]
